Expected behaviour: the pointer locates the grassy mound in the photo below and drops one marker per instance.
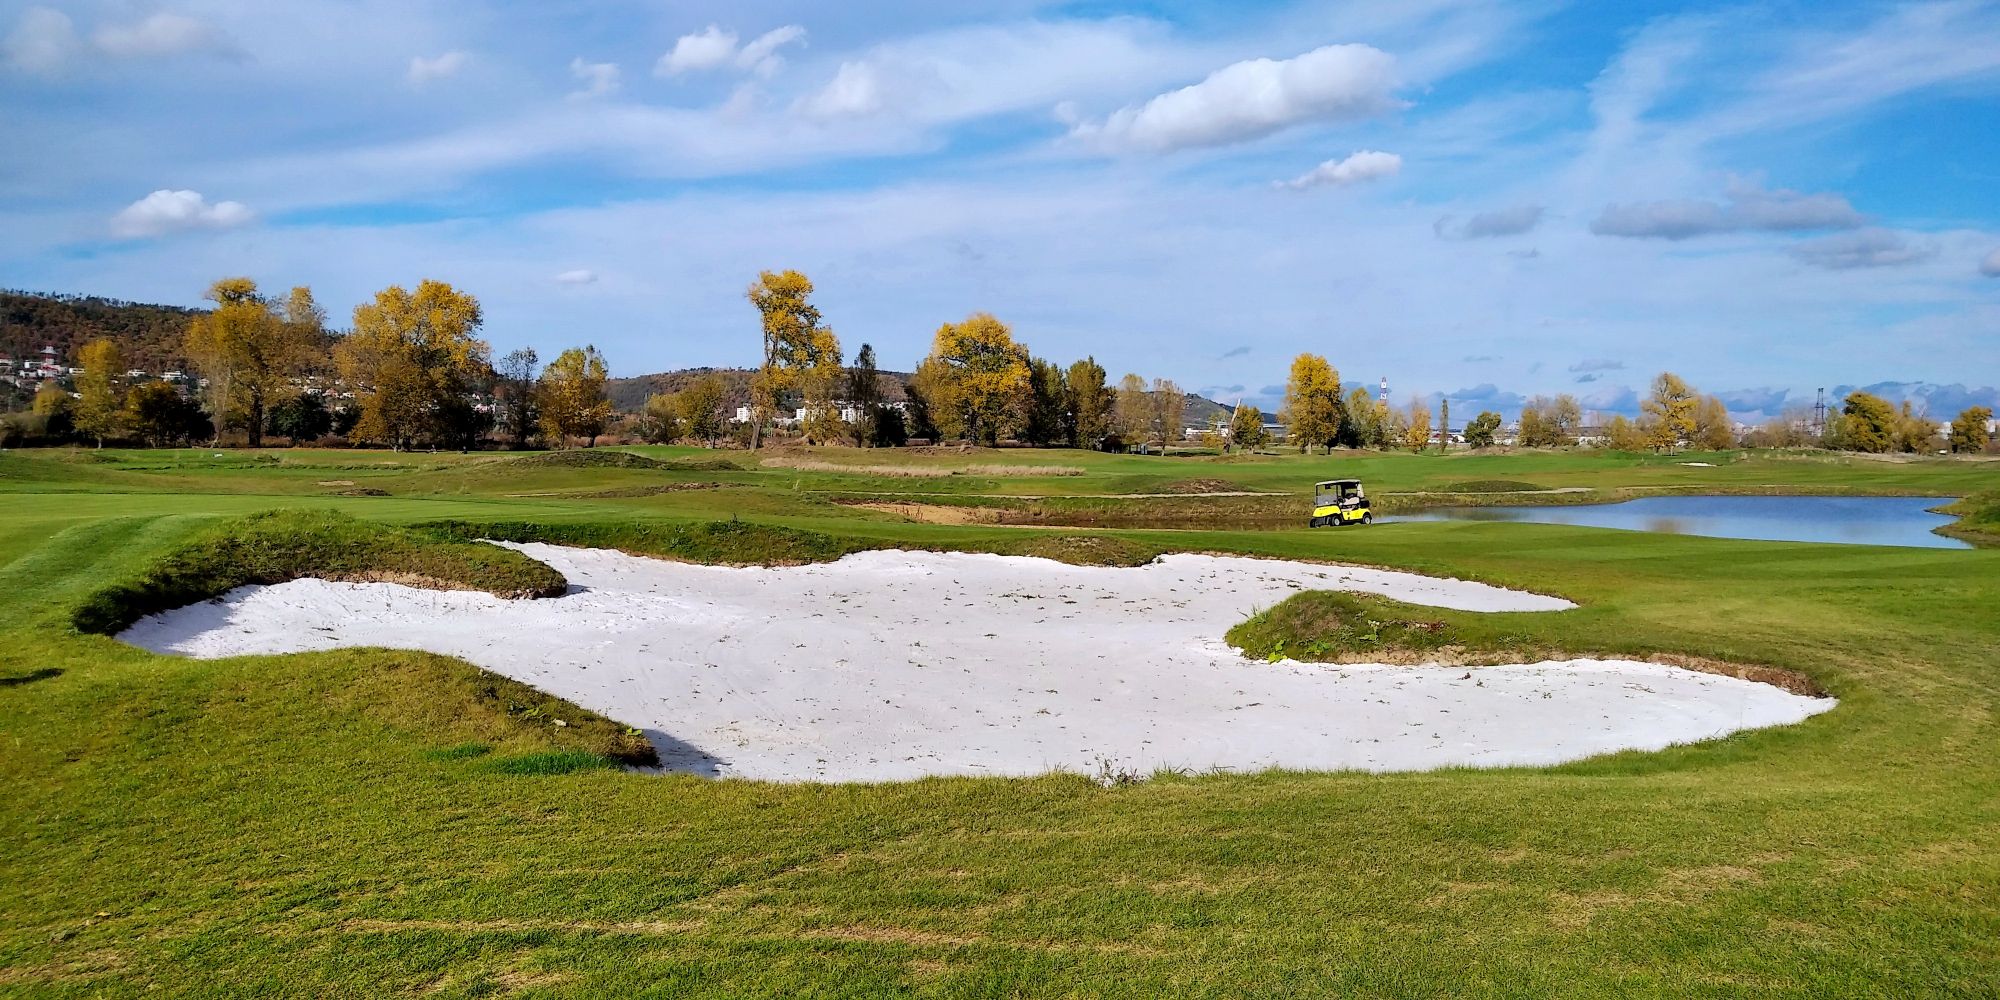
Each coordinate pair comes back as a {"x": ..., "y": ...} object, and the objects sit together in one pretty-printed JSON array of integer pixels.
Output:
[
  {"x": 1323, "y": 626},
  {"x": 703, "y": 465},
  {"x": 503, "y": 724},
  {"x": 287, "y": 545},
  {"x": 1199, "y": 485},
  {"x": 734, "y": 543},
  {"x": 586, "y": 458},
  {"x": 1978, "y": 519},
  {"x": 1333, "y": 626}
]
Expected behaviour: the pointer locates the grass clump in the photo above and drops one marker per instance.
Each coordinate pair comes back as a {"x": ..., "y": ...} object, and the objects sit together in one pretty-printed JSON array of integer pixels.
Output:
[
  {"x": 278, "y": 546},
  {"x": 1331, "y": 626},
  {"x": 552, "y": 762}
]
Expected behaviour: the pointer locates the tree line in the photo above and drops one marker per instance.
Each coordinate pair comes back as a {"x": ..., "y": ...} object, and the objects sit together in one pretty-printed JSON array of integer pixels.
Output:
[{"x": 410, "y": 372}]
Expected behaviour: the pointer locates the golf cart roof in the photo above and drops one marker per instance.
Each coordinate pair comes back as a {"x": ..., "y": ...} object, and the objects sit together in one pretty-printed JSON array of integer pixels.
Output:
[{"x": 1338, "y": 482}]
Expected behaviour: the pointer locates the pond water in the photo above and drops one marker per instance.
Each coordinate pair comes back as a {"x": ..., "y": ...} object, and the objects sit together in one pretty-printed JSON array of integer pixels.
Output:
[{"x": 1848, "y": 520}]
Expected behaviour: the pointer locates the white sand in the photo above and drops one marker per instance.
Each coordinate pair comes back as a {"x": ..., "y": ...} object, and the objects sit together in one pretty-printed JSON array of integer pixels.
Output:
[{"x": 895, "y": 665}]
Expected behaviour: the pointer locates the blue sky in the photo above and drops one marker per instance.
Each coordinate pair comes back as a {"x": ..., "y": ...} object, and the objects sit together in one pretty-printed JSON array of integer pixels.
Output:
[{"x": 1473, "y": 199}]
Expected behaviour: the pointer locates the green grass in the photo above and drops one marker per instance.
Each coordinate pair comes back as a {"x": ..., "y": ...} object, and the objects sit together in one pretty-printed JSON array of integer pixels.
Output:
[{"x": 375, "y": 822}]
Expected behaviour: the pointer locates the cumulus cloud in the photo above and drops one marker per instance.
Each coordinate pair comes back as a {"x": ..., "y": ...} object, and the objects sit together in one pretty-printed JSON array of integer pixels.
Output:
[
  {"x": 854, "y": 91},
  {"x": 598, "y": 79},
  {"x": 1366, "y": 165},
  {"x": 42, "y": 42},
  {"x": 1990, "y": 267},
  {"x": 1597, "y": 365},
  {"x": 1254, "y": 98},
  {"x": 160, "y": 34},
  {"x": 580, "y": 276},
  {"x": 1484, "y": 225},
  {"x": 164, "y": 212},
  {"x": 1873, "y": 247},
  {"x": 1748, "y": 208},
  {"x": 715, "y": 48},
  {"x": 424, "y": 70}
]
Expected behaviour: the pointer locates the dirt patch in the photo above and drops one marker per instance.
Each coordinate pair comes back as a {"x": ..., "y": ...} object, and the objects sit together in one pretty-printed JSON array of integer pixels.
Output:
[
  {"x": 931, "y": 513},
  {"x": 337, "y": 482},
  {"x": 1188, "y": 486}
]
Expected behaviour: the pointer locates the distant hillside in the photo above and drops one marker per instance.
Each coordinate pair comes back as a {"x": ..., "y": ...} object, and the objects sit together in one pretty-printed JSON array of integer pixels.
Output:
[
  {"x": 629, "y": 394},
  {"x": 150, "y": 334}
]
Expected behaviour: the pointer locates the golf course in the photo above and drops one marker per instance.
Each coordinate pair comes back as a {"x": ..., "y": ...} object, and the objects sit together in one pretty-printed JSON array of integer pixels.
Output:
[{"x": 361, "y": 820}]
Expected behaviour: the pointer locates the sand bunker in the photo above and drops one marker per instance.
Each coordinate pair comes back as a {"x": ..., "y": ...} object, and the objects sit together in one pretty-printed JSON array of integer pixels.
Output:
[{"x": 896, "y": 665}]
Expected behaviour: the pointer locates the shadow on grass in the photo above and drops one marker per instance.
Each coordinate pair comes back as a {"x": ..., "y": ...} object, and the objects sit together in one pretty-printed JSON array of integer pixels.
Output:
[{"x": 40, "y": 675}]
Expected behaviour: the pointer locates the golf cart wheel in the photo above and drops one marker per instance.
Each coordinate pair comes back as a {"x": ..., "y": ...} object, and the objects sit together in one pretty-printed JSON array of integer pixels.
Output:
[{"x": 1368, "y": 518}]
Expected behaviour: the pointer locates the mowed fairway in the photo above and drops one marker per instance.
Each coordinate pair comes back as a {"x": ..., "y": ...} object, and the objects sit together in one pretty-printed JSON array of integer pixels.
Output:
[{"x": 349, "y": 823}]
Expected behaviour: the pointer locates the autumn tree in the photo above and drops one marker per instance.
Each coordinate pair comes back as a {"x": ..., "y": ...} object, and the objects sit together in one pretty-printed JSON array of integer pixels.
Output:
[
  {"x": 660, "y": 418},
  {"x": 1670, "y": 409},
  {"x": 1312, "y": 413},
  {"x": 1089, "y": 403},
  {"x": 518, "y": 373},
  {"x": 975, "y": 379},
  {"x": 1363, "y": 426},
  {"x": 1623, "y": 434},
  {"x": 1444, "y": 425},
  {"x": 412, "y": 360},
  {"x": 699, "y": 406},
  {"x": 1246, "y": 428},
  {"x": 249, "y": 349},
  {"x": 1168, "y": 406},
  {"x": 1969, "y": 431},
  {"x": 571, "y": 397},
  {"x": 100, "y": 404},
  {"x": 1418, "y": 436},
  {"x": 1132, "y": 413},
  {"x": 1713, "y": 430},
  {"x": 1479, "y": 430},
  {"x": 1868, "y": 423},
  {"x": 798, "y": 347}
]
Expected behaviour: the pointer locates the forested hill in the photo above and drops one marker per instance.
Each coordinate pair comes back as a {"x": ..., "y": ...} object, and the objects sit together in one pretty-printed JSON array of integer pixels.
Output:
[{"x": 149, "y": 334}]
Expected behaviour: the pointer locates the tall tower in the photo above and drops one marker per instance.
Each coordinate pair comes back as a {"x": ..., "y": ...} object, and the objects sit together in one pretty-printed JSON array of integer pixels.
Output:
[
  {"x": 1819, "y": 415},
  {"x": 1384, "y": 397}
]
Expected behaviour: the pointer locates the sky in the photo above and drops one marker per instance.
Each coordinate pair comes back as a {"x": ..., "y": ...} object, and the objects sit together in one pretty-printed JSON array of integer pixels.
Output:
[{"x": 1478, "y": 201}]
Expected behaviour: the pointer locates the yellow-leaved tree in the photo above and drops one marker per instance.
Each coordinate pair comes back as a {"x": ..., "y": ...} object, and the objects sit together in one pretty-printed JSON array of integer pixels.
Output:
[
  {"x": 975, "y": 379},
  {"x": 249, "y": 349},
  {"x": 571, "y": 397},
  {"x": 800, "y": 353},
  {"x": 100, "y": 404},
  {"x": 1312, "y": 402},
  {"x": 412, "y": 361},
  {"x": 1418, "y": 435},
  {"x": 1669, "y": 412}
]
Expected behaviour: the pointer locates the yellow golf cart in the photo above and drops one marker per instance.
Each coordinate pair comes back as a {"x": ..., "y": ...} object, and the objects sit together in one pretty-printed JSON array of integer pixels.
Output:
[{"x": 1338, "y": 502}]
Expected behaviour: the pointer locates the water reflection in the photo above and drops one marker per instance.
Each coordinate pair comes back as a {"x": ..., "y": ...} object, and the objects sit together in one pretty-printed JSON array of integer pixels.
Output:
[{"x": 1905, "y": 521}]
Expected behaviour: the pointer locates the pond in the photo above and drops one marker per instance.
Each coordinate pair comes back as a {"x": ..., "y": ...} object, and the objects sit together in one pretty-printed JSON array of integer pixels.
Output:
[{"x": 1903, "y": 521}]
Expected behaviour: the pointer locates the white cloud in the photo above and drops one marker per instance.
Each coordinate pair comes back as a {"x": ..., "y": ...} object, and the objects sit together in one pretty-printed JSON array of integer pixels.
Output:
[
  {"x": 424, "y": 70},
  {"x": 710, "y": 48},
  {"x": 598, "y": 79},
  {"x": 1873, "y": 247},
  {"x": 580, "y": 276},
  {"x": 1750, "y": 208},
  {"x": 761, "y": 57},
  {"x": 43, "y": 42},
  {"x": 161, "y": 34},
  {"x": 164, "y": 212},
  {"x": 1990, "y": 267},
  {"x": 1254, "y": 98},
  {"x": 714, "y": 48},
  {"x": 855, "y": 90},
  {"x": 1366, "y": 165}
]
